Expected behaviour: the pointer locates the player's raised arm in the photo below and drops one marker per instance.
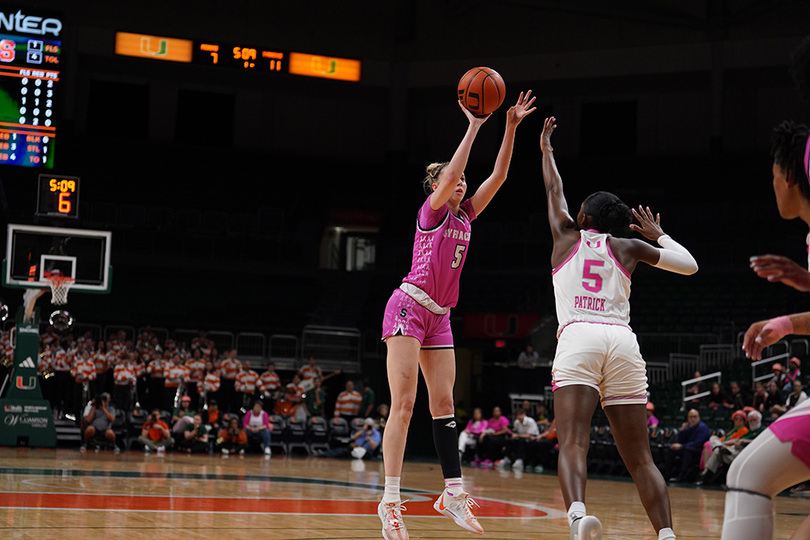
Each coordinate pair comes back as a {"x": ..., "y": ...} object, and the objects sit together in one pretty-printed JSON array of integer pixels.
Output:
[
  {"x": 672, "y": 256},
  {"x": 558, "y": 216},
  {"x": 778, "y": 268},
  {"x": 516, "y": 113},
  {"x": 454, "y": 170}
]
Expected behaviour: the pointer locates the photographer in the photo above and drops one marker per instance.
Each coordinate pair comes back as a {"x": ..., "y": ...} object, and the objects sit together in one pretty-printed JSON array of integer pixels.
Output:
[
  {"x": 195, "y": 437},
  {"x": 155, "y": 434},
  {"x": 99, "y": 416},
  {"x": 365, "y": 442},
  {"x": 232, "y": 439}
]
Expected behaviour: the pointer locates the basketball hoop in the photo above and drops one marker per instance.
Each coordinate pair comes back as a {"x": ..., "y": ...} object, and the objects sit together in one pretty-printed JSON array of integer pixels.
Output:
[{"x": 60, "y": 285}]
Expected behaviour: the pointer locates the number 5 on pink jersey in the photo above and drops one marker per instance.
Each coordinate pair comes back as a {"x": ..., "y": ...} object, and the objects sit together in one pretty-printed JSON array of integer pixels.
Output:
[{"x": 588, "y": 274}]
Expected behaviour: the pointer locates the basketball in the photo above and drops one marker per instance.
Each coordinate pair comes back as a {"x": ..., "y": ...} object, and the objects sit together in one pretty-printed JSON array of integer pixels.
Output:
[{"x": 481, "y": 90}]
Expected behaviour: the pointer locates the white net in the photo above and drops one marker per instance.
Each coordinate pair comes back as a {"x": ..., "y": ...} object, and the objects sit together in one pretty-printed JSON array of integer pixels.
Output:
[{"x": 60, "y": 285}]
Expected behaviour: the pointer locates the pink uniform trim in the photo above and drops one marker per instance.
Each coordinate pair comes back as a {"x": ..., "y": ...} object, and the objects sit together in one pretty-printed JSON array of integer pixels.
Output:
[
  {"x": 614, "y": 400},
  {"x": 570, "y": 256},
  {"x": 618, "y": 264},
  {"x": 807, "y": 158},
  {"x": 591, "y": 322}
]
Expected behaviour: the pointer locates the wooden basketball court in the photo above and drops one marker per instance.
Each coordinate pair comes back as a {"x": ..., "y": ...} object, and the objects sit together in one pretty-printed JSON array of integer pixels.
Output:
[{"x": 65, "y": 494}]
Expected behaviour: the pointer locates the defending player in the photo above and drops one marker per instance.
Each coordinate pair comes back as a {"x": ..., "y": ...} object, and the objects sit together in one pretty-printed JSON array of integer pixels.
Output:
[
  {"x": 780, "y": 456},
  {"x": 416, "y": 325},
  {"x": 597, "y": 352}
]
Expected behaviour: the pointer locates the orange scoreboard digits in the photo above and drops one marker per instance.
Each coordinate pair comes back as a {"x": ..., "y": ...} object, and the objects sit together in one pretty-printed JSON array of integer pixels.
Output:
[{"x": 58, "y": 196}]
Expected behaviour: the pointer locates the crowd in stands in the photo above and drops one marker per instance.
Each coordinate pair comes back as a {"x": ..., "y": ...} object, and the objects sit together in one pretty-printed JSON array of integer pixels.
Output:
[{"x": 188, "y": 395}]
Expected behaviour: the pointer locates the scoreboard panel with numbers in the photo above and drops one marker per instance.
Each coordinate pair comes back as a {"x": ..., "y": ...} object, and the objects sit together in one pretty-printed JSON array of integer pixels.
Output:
[{"x": 30, "y": 56}]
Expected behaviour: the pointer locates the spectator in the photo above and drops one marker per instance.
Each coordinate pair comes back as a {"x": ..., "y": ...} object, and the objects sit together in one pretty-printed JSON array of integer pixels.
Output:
[
  {"x": 258, "y": 427},
  {"x": 693, "y": 434},
  {"x": 155, "y": 434},
  {"x": 364, "y": 443},
  {"x": 468, "y": 439},
  {"x": 195, "y": 438},
  {"x": 652, "y": 421},
  {"x": 794, "y": 373},
  {"x": 309, "y": 371},
  {"x": 212, "y": 417},
  {"x": 211, "y": 383},
  {"x": 84, "y": 372},
  {"x": 492, "y": 439},
  {"x": 156, "y": 371},
  {"x": 774, "y": 403},
  {"x": 738, "y": 398},
  {"x": 524, "y": 428},
  {"x": 176, "y": 376},
  {"x": 103, "y": 366},
  {"x": 99, "y": 417},
  {"x": 760, "y": 396},
  {"x": 543, "y": 420},
  {"x": 539, "y": 449},
  {"x": 727, "y": 452},
  {"x": 232, "y": 439},
  {"x": 717, "y": 398},
  {"x": 738, "y": 429},
  {"x": 314, "y": 398},
  {"x": 777, "y": 375},
  {"x": 228, "y": 370},
  {"x": 796, "y": 397},
  {"x": 528, "y": 358},
  {"x": 348, "y": 402},
  {"x": 246, "y": 383},
  {"x": 124, "y": 376},
  {"x": 269, "y": 383},
  {"x": 182, "y": 416},
  {"x": 369, "y": 400},
  {"x": 382, "y": 416},
  {"x": 696, "y": 388},
  {"x": 196, "y": 375}
]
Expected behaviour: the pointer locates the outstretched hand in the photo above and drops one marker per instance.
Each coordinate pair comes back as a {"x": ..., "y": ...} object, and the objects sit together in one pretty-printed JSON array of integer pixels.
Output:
[
  {"x": 545, "y": 139},
  {"x": 474, "y": 120},
  {"x": 777, "y": 268},
  {"x": 650, "y": 227},
  {"x": 521, "y": 109},
  {"x": 756, "y": 338}
]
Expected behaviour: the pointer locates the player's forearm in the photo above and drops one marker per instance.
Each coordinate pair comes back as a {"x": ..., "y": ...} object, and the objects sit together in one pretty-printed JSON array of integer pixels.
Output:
[
  {"x": 458, "y": 162},
  {"x": 504, "y": 158}
]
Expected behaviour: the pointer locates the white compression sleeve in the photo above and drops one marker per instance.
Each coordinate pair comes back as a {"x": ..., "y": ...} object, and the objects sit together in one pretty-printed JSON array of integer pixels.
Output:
[{"x": 674, "y": 257}]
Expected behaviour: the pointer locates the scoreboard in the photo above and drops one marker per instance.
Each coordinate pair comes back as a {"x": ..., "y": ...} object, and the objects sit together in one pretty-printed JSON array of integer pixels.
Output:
[{"x": 30, "y": 56}]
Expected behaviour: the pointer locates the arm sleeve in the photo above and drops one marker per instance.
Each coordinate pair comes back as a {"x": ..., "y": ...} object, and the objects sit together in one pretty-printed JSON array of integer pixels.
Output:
[{"x": 673, "y": 257}]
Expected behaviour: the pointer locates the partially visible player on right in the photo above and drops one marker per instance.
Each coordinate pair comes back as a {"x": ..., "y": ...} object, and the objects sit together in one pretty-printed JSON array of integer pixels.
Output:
[{"x": 780, "y": 456}]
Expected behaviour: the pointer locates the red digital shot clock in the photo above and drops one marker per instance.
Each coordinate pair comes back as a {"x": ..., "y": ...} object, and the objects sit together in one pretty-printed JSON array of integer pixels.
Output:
[{"x": 58, "y": 196}]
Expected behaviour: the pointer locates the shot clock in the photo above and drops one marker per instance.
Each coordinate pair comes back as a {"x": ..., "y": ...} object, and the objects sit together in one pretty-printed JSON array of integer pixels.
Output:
[{"x": 58, "y": 196}]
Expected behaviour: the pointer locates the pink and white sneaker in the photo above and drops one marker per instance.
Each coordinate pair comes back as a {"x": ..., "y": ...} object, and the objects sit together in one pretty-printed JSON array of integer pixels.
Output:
[
  {"x": 459, "y": 509},
  {"x": 393, "y": 528}
]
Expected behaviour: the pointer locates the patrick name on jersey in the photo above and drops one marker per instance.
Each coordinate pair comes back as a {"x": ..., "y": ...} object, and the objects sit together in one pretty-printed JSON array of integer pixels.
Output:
[{"x": 591, "y": 303}]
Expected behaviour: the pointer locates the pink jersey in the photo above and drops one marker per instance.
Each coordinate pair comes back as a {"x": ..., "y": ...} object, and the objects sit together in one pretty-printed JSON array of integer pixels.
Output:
[{"x": 439, "y": 250}]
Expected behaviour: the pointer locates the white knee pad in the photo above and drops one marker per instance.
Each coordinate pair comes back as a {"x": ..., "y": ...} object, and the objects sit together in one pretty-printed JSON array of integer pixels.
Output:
[{"x": 748, "y": 516}]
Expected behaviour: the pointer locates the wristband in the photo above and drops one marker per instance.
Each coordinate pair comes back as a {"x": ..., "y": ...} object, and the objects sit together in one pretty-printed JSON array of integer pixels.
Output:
[
  {"x": 780, "y": 326},
  {"x": 662, "y": 239}
]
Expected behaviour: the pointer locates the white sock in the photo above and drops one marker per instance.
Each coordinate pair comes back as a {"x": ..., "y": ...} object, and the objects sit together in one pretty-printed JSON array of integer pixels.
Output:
[
  {"x": 576, "y": 510},
  {"x": 391, "y": 494},
  {"x": 666, "y": 534},
  {"x": 454, "y": 486}
]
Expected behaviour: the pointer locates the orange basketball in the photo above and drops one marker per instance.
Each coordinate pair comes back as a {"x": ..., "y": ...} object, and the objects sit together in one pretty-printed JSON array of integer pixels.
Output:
[{"x": 481, "y": 90}]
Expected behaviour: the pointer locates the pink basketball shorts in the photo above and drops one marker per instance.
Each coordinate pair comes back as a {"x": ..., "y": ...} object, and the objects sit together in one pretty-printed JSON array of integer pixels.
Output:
[{"x": 404, "y": 316}]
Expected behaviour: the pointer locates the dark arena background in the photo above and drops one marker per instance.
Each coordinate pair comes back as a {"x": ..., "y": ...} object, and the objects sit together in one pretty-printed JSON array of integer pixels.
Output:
[{"x": 255, "y": 194}]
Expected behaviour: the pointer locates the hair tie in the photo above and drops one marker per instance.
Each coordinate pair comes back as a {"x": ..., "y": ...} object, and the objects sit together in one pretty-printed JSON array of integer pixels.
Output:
[{"x": 806, "y": 162}]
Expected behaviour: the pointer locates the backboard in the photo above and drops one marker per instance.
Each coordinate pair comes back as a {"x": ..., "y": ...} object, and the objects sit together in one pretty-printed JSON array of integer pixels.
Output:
[{"x": 34, "y": 252}]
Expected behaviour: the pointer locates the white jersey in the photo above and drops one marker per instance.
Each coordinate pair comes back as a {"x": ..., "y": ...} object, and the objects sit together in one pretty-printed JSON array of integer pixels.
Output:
[{"x": 590, "y": 285}]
